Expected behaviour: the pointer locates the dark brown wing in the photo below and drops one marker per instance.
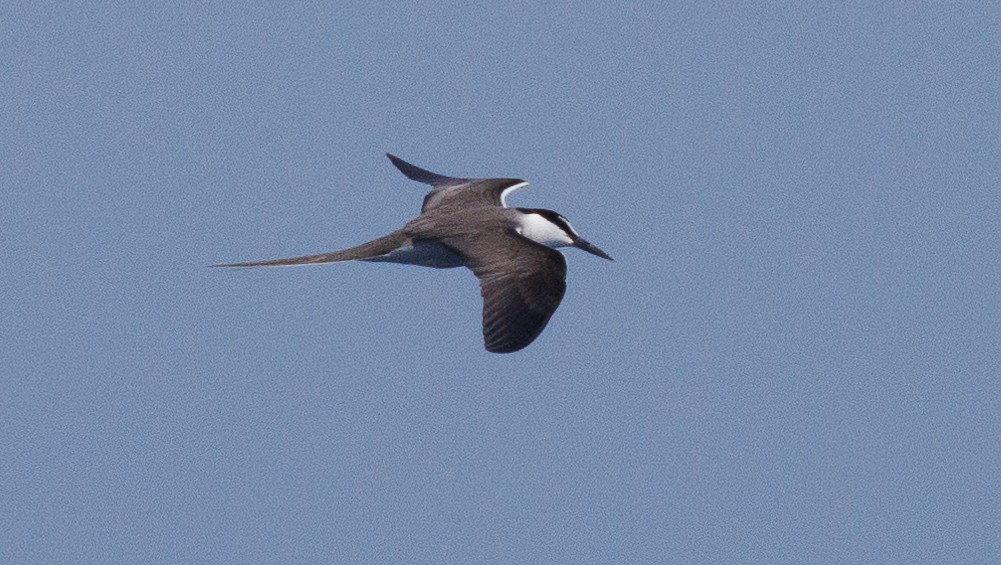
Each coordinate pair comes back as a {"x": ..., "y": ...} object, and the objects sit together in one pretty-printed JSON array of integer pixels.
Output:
[
  {"x": 522, "y": 284},
  {"x": 476, "y": 192},
  {"x": 373, "y": 248},
  {"x": 454, "y": 191},
  {"x": 517, "y": 305}
]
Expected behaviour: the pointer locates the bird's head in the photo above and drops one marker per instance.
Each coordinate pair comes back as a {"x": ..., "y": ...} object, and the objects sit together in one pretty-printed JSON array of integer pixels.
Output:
[{"x": 553, "y": 230}]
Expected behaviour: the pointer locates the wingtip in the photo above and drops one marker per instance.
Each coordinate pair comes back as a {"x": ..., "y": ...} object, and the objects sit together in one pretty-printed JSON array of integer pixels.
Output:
[
  {"x": 504, "y": 349},
  {"x": 400, "y": 164},
  {"x": 413, "y": 172}
]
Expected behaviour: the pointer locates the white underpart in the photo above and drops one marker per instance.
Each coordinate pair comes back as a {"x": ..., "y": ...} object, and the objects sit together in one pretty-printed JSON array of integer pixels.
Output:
[
  {"x": 509, "y": 190},
  {"x": 541, "y": 230},
  {"x": 424, "y": 253}
]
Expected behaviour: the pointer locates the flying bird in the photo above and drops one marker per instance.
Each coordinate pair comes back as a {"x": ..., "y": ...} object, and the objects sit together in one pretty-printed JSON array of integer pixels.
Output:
[{"x": 466, "y": 223}]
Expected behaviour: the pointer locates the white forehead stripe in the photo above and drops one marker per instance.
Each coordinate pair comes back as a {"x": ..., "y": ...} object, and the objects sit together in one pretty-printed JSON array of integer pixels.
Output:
[
  {"x": 508, "y": 190},
  {"x": 572, "y": 231}
]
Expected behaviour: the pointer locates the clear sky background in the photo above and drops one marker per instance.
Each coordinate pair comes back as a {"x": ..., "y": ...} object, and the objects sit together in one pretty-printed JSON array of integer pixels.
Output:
[{"x": 795, "y": 357}]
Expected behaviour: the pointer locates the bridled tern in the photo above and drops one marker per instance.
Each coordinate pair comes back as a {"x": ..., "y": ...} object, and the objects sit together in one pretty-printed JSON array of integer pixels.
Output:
[{"x": 466, "y": 223}]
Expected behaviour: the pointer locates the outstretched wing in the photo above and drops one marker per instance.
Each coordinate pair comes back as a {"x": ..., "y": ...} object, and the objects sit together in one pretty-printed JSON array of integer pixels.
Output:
[
  {"x": 517, "y": 304},
  {"x": 521, "y": 282},
  {"x": 458, "y": 191},
  {"x": 413, "y": 172}
]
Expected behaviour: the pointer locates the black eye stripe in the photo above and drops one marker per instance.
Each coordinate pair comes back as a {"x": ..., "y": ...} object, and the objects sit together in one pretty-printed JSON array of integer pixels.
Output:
[{"x": 553, "y": 217}]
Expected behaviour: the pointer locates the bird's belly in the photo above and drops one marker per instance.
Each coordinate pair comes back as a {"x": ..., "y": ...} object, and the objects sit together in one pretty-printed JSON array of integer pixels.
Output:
[{"x": 423, "y": 253}]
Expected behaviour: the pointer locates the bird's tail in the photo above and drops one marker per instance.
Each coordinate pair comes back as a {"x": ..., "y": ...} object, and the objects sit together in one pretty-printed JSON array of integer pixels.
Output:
[{"x": 374, "y": 248}]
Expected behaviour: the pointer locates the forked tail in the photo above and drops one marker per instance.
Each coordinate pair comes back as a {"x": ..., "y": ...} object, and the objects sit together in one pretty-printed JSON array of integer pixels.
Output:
[{"x": 374, "y": 248}]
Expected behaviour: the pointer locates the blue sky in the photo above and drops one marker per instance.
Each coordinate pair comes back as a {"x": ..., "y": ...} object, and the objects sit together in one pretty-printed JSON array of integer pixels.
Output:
[{"x": 793, "y": 359}]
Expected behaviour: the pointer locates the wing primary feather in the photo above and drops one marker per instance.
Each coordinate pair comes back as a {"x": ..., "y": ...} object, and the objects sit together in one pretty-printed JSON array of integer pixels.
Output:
[
  {"x": 520, "y": 295},
  {"x": 413, "y": 172}
]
